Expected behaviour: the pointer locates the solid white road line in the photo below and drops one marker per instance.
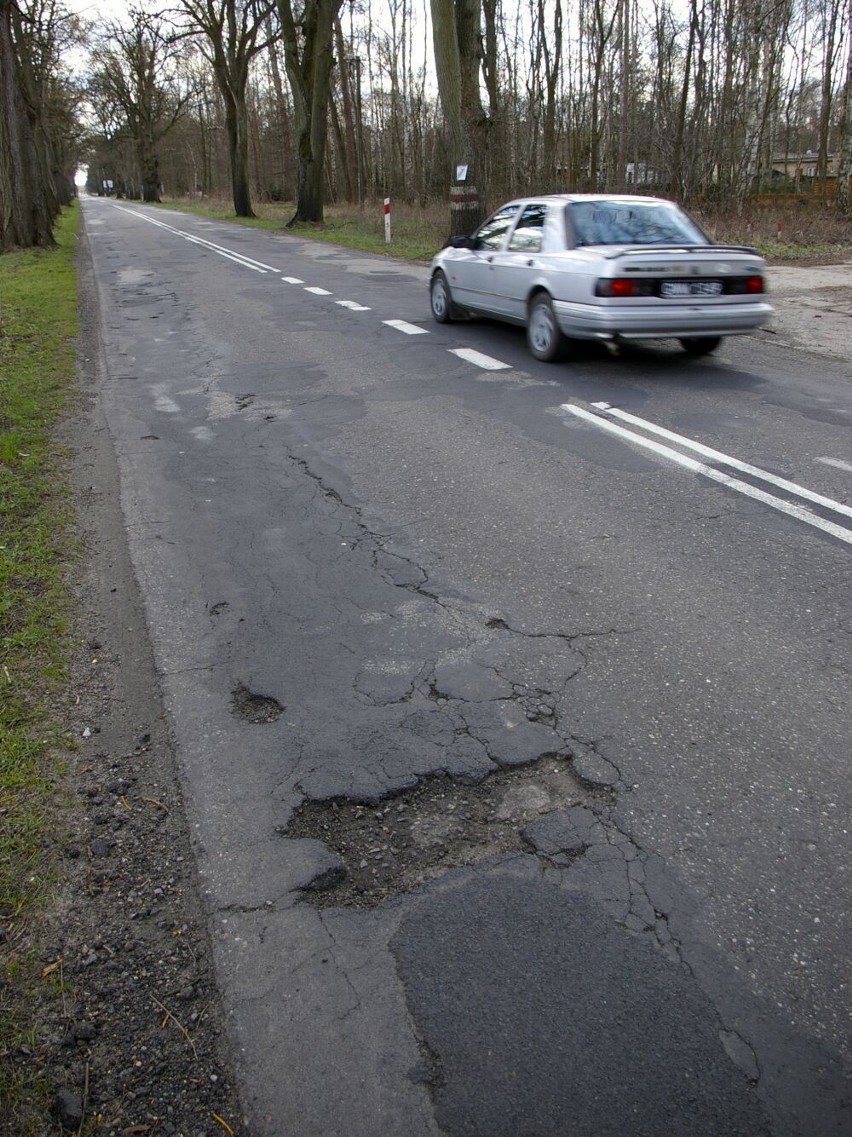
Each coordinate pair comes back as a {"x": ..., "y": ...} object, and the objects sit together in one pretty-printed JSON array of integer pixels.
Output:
[
  {"x": 229, "y": 254},
  {"x": 404, "y": 326},
  {"x": 352, "y": 305},
  {"x": 800, "y": 512},
  {"x": 725, "y": 459},
  {"x": 318, "y": 291},
  {"x": 479, "y": 360}
]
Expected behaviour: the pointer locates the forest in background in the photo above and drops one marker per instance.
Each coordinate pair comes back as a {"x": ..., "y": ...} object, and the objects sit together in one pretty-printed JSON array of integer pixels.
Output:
[{"x": 317, "y": 102}]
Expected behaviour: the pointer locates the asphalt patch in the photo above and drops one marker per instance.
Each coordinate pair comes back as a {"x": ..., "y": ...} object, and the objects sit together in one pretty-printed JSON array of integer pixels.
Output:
[{"x": 542, "y": 1017}]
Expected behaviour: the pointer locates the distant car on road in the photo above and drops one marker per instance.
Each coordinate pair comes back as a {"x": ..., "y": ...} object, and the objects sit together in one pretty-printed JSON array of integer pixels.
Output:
[{"x": 605, "y": 267}]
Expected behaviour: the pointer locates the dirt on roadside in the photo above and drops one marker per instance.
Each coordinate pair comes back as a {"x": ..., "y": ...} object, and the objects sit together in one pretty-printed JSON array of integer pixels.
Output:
[
  {"x": 128, "y": 1031},
  {"x": 813, "y": 307}
]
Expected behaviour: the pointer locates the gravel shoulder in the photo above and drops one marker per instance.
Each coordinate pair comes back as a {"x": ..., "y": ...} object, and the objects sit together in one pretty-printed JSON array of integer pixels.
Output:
[{"x": 813, "y": 308}]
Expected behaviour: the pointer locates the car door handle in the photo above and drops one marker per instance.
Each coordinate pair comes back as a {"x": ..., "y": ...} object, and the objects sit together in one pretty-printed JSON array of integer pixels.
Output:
[
  {"x": 530, "y": 264},
  {"x": 490, "y": 259}
]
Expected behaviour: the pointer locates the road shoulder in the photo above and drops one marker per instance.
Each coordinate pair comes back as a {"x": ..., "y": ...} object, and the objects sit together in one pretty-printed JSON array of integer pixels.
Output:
[
  {"x": 137, "y": 1041},
  {"x": 813, "y": 308}
]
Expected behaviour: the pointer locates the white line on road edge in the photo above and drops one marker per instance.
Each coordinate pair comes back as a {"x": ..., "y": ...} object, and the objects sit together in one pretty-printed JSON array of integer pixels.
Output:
[
  {"x": 480, "y": 360},
  {"x": 800, "y": 512},
  {"x": 734, "y": 463},
  {"x": 317, "y": 291},
  {"x": 403, "y": 326},
  {"x": 352, "y": 305},
  {"x": 838, "y": 462},
  {"x": 238, "y": 258},
  {"x": 292, "y": 280}
]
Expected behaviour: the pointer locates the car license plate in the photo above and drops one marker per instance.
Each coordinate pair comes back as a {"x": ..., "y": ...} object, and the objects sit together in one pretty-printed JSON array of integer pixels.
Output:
[{"x": 691, "y": 288}]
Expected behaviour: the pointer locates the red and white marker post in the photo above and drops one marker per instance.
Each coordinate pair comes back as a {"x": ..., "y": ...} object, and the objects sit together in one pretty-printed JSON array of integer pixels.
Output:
[{"x": 387, "y": 221}]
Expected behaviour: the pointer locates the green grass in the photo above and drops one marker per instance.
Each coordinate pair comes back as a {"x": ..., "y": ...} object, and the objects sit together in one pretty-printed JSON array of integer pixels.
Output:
[
  {"x": 221, "y": 212},
  {"x": 38, "y": 323},
  {"x": 416, "y": 232}
]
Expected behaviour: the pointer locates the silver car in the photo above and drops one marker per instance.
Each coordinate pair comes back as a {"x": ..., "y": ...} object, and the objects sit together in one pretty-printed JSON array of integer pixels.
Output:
[{"x": 600, "y": 267}]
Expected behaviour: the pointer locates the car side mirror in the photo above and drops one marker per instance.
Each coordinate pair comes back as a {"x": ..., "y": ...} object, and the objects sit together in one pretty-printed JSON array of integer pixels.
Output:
[{"x": 462, "y": 243}]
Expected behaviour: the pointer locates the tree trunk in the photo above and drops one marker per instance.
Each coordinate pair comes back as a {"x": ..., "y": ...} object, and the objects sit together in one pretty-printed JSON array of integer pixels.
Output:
[
  {"x": 309, "y": 59},
  {"x": 349, "y": 138},
  {"x": 25, "y": 216},
  {"x": 282, "y": 114},
  {"x": 844, "y": 168},
  {"x": 676, "y": 173},
  {"x": 455, "y": 30},
  {"x": 149, "y": 165},
  {"x": 552, "y": 64},
  {"x": 236, "y": 124},
  {"x": 829, "y": 59},
  {"x": 501, "y": 169}
]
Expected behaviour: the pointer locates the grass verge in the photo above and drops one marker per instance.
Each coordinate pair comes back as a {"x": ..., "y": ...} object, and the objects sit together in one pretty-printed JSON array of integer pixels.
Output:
[
  {"x": 38, "y": 324},
  {"x": 417, "y": 232},
  {"x": 804, "y": 231}
]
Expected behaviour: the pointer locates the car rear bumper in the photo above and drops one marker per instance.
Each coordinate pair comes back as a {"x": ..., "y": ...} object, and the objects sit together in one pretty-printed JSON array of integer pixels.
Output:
[{"x": 642, "y": 322}]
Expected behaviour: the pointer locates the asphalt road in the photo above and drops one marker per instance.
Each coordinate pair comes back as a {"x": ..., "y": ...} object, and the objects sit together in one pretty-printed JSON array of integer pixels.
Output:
[{"x": 511, "y": 700}]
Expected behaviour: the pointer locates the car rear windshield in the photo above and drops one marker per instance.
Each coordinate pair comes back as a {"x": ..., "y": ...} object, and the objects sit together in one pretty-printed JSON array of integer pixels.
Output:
[{"x": 636, "y": 223}]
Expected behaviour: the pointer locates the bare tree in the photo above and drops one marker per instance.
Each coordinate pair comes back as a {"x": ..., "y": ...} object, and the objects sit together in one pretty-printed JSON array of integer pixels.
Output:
[
  {"x": 307, "y": 37},
  {"x": 694, "y": 98},
  {"x": 137, "y": 70},
  {"x": 232, "y": 37}
]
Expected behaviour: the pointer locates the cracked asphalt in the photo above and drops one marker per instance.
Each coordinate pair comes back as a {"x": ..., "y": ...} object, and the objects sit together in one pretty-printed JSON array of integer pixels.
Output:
[{"x": 515, "y": 758}]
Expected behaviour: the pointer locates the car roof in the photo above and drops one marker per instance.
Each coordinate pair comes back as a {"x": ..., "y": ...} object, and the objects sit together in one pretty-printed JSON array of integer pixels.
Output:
[{"x": 556, "y": 198}]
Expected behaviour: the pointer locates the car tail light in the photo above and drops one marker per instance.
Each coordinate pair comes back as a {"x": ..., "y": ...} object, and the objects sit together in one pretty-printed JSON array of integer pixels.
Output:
[
  {"x": 751, "y": 285},
  {"x": 624, "y": 286}
]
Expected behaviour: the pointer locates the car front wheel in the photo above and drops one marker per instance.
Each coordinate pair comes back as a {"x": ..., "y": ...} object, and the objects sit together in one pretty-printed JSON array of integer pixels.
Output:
[
  {"x": 443, "y": 308},
  {"x": 544, "y": 338},
  {"x": 700, "y": 345}
]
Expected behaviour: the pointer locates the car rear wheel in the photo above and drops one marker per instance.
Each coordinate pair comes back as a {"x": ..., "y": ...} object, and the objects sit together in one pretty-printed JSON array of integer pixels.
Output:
[
  {"x": 700, "y": 345},
  {"x": 544, "y": 338},
  {"x": 443, "y": 308}
]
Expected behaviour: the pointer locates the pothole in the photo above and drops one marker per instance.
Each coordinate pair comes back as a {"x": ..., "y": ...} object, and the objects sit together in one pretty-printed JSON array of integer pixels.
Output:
[
  {"x": 254, "y": 708},
  {"x": 440, "y": 824}
]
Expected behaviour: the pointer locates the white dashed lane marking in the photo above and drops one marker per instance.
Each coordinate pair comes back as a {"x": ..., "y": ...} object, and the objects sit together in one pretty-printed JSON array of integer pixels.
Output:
[
  {"x": 838, "y": 463},
  {"x": 628, "y": 432},
  {"x": 476, "y": 358},
  {"x": 404, "y": 326},
  {"x": 485, "y": 362}
]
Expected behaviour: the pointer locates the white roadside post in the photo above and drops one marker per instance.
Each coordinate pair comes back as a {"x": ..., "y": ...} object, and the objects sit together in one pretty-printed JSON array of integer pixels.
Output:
[{"x": 387, "y": 221}]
